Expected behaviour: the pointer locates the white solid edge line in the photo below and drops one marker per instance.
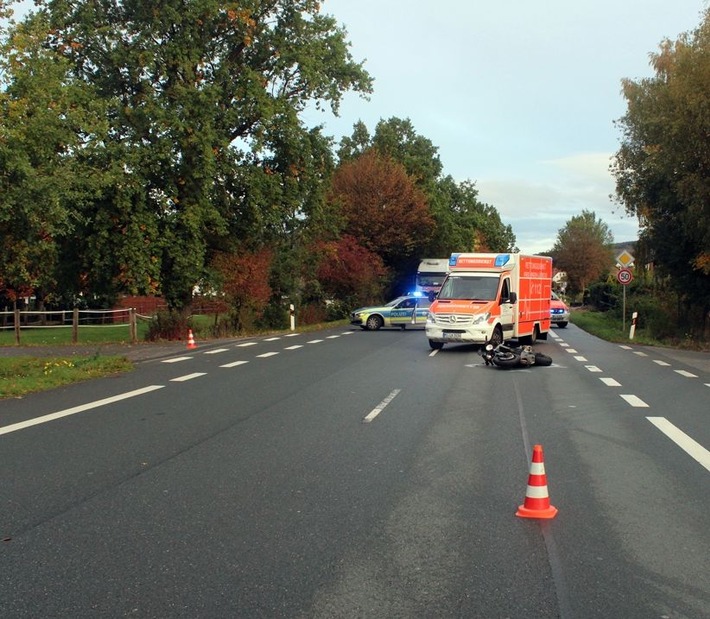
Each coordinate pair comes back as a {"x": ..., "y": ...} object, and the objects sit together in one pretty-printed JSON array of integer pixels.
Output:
[
  {"x": 694, "y": 449},
  {"x": 380, "y": 407},
  {"x": 77, "y": 409}
]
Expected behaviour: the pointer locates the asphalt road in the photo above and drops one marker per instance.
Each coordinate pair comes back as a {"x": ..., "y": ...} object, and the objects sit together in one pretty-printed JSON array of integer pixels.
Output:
[{"x": 355, "y": 474}]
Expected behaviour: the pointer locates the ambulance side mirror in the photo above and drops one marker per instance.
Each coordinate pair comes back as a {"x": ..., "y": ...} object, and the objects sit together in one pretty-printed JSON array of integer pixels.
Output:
[{"x": 512, "y": 299}]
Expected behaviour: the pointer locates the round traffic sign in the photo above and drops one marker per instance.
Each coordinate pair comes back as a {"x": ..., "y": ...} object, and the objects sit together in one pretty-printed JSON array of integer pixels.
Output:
[{"x": 624, "y": 276}]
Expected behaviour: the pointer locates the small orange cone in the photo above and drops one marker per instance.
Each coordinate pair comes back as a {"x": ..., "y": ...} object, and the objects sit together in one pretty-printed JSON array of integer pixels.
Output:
[
  {"x": 537, "y": 500},
  {"x": 190, "y": 339}
]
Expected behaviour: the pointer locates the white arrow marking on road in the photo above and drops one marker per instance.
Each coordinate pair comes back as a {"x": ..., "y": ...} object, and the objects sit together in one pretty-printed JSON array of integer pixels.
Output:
[
  {"x": 77, "y": 409},
  {"x": 680, "y": 438}
]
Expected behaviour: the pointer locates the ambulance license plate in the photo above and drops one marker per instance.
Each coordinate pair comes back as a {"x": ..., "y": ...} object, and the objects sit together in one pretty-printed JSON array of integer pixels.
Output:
[{"x": 452, "y": 336}]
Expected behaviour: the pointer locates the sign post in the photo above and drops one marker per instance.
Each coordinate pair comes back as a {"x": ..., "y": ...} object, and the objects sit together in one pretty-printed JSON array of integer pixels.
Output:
[{"x": 624, "y": 261}]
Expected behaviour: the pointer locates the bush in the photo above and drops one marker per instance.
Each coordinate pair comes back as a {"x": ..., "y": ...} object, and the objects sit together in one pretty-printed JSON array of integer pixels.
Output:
[{"x": 168, "y": 326}]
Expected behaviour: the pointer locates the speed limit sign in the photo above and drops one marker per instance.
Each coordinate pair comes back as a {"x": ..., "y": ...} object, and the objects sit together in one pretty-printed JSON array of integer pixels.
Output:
[{"x": 624, "y": 277}]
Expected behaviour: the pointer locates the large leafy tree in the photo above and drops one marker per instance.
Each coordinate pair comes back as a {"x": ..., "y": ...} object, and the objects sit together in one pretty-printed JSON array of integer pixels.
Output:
[
  {"x": 662, "y": 168},
  {"x": 583, "y": 250},
  {"x": 49, "y": 125},
  {"x": 204, "y": 96}
]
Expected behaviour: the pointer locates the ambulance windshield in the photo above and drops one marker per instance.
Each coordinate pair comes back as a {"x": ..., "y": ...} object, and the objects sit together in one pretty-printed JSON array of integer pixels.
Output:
[{"x": 476, "y": 288}]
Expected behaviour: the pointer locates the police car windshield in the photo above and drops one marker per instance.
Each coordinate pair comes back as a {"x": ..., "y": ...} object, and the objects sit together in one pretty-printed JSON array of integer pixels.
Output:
[
  {"x": 395, "y": 301},
  {"x": 469, "y": 288}
]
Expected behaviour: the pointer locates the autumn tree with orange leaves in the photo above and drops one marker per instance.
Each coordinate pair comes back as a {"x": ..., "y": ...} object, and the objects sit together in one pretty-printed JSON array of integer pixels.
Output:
[{"x": 382, "y": 207}]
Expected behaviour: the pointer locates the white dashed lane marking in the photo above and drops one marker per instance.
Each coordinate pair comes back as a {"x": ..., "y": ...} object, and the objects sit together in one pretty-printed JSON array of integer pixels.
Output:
[
  {"x": 233, "y": 364},
  {"x": 635, "y": 401},
  {"x": 663, "y": 363},
  {"x": 381, "y": 406},
  {"x": 182, "y": 379},
  {"x": 610, "y": 382},
  {"x": 686, "y": 374},
  {"x": 267, "y": 354},
  {"x": 176, "y": 359},
  {"x": 216, "y": 351}
]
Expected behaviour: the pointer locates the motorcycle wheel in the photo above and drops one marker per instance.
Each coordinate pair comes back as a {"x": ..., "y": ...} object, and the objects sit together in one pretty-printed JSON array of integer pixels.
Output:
[
  {"x": 506, "y": 360},
  {"x": 541, "y": 359}
]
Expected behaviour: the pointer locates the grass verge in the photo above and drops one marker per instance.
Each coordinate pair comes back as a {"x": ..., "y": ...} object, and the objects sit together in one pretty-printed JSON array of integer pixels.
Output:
[
  {"x": 612, "y": 329},
  {"x": 22, "y": 375}
]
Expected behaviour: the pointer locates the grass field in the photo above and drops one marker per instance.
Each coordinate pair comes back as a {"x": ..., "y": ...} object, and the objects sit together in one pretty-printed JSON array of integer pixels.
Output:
[
  {"x": 58, "y": 336},
  {"x": 22, "y": 375}
]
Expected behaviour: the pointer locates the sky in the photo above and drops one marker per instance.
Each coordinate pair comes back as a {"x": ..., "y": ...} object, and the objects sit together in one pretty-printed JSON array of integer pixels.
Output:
[{"x": 519, "y": 97}]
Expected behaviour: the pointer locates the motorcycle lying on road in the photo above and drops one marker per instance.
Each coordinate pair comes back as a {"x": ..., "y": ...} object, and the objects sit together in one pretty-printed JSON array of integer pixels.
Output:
[{"x": 507, "y": 357}]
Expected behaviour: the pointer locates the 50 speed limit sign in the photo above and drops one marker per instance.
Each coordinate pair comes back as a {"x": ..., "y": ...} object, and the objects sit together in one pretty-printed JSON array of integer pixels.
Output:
[{"x": 624, "y": 277}]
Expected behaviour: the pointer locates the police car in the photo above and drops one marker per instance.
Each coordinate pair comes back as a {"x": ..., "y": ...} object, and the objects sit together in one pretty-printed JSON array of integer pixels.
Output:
[
  {"x": 559, "y": 312},
  {"x": 407, "y": 311}
]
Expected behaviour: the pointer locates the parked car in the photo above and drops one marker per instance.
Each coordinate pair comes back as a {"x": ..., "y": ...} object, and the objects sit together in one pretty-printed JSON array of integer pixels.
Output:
[
  {"x": 559, "y": 312},
  {"x": 408, "y": 310}
]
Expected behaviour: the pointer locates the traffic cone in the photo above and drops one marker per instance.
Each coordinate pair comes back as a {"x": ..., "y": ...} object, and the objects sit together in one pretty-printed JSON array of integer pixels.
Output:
[
  {"x": 537, "y": 500},
  {"x": 190, "y": 339}
]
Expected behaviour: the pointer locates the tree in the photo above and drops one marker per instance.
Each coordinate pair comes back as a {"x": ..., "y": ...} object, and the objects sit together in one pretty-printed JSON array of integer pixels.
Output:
[
  {"x": 244, "y": 282},
  {"x": 460, "y": 221},
  {"x": 204, "y": 94},
  {"x": 349, "y": 272},
  {"x": 49, "y": 124},
  {"x": 662, "y": 168},
  {"x": 583, "y": 250},
  {"x": 382, "y": 207}
]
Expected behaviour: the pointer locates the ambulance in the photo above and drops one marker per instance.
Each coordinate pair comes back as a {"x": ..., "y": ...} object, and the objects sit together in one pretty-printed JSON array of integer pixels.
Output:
[{"x": 492, "y": 298}]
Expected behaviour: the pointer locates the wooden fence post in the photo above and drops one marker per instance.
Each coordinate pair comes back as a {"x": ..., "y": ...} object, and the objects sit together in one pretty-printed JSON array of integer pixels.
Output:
[
  {"x": 132, "y": 325},
  {"x": 75, "y": 326},
  {"x": 17, "y": 326}
]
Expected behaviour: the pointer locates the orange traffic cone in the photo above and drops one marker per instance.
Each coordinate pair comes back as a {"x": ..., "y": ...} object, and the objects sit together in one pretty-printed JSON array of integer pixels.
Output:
[
  {"x": 190, "y": 339},
  {"x": 537, "y": 500}
]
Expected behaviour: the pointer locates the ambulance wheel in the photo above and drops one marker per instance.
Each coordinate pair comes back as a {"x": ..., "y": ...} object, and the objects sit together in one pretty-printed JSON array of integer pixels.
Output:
[
  {"x": 436, "y": 345},
  {"x": 531, "y": 339},
  {"x": 373, "y": 323},
  {"x": 496, "y": 337},
  {"x": 541, "y": 359}
]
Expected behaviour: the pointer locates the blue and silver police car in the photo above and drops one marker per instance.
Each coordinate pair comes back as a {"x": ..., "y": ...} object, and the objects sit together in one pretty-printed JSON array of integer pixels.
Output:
[{"x": 406, "y": 311}]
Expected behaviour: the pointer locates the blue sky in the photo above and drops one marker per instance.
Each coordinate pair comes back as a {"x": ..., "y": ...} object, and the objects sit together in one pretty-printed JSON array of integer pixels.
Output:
[{"x": 518, "y": 96}]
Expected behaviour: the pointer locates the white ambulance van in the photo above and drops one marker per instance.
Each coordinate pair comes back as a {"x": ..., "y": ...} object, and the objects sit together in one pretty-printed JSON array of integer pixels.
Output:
[{"x": 492, "y": 298}]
